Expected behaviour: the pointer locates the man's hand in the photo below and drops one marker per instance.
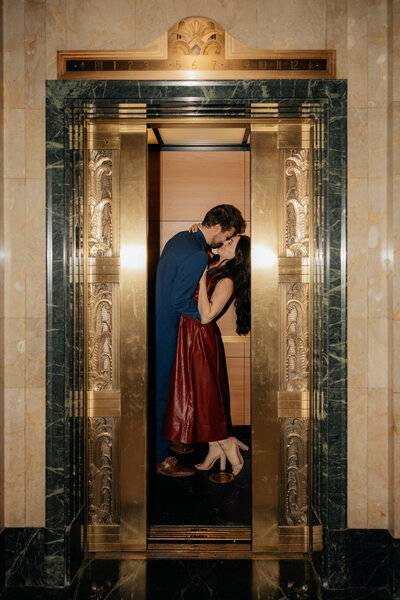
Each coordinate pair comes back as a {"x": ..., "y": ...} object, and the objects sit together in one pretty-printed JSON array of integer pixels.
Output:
[{"x": 193, "y": 228}]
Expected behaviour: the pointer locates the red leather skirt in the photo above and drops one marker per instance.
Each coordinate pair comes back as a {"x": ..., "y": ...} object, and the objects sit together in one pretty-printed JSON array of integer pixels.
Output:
[{"x": 198, "y": 395}]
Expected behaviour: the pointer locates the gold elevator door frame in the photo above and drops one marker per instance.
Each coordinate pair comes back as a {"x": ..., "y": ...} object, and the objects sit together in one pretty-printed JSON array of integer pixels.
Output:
[
  {"x": 116, "y": 336},
  {"x": 281, "y": 291}
]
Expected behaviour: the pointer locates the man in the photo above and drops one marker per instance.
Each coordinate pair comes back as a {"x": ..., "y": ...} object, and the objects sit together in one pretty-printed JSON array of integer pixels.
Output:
[{"x": 180, "y": 267}]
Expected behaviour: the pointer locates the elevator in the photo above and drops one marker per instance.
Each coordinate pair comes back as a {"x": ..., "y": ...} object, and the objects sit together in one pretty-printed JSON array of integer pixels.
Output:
[
  {"x": 190, "y": 170},
  {"x": 267, "y": 173}
]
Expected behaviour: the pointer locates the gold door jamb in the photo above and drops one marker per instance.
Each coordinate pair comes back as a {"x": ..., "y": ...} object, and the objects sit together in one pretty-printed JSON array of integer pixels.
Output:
[
  {"x": 264, "y": 337},
  {"x": 116, "y": 358},
  {"x": 133, "y": 352}
]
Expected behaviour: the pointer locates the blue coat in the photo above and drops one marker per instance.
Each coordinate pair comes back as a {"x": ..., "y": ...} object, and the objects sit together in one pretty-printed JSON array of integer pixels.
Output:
[{"x": 179, "y": 269}]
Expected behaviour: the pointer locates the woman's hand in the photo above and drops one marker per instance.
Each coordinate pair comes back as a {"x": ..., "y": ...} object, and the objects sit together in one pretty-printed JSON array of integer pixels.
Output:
[
  {"x": 193, "y": 228},
  {"x": 203, "y": 278}
]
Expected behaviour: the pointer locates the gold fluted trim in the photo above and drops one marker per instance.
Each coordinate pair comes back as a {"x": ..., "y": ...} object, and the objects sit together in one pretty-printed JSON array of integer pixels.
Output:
[
  {"x": 293, "y": 404},
  {"x": 104, "y": 269},
  {"x": 294, "y": 539},
  {"x": 105, "y": 403},
  {"x": 293, "y": 270}
]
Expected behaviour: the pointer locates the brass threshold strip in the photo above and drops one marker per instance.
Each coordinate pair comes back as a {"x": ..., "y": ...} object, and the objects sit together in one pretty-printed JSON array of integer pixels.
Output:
[{"x": 167, "y": 534}]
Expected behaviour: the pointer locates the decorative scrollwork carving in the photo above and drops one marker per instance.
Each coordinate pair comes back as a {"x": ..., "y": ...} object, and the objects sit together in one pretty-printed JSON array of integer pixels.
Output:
[
  {"x": 100, "y": 365},
  {"x": 100, "y": 232},
  {"x": 196, "y": 36},
  {"x": 296, "y": 495},
  {"x": 297, "y": 351},
  {"x": 100, "y": 470},
  {"x": 297, "y": 202}
]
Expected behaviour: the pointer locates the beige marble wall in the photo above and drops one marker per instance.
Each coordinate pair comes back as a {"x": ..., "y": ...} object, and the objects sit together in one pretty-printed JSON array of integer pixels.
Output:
[
  {"x": 394, "y": 305},
  {"x": 1, "y": 289},
  {"x": 370, "y": 265},
  {"x": 24, "y": 233},
  {"x": 34, "y": 30}
]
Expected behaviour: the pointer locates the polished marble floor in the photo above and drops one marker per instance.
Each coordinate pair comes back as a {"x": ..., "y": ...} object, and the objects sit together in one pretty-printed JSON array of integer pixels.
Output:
[{"x": 196, "y": 580}]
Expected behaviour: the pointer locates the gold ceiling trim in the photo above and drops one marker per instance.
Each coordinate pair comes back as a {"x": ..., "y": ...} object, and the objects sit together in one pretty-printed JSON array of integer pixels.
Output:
[{"x": 196, "y": 48}]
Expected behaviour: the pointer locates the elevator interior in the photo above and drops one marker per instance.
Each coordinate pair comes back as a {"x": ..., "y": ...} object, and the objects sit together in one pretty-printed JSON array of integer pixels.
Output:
[{"x": 190, "y": 170}]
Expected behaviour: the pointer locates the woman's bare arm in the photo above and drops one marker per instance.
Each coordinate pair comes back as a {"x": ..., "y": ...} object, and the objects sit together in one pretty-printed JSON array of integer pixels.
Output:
[{"x": 210, "y": 309}]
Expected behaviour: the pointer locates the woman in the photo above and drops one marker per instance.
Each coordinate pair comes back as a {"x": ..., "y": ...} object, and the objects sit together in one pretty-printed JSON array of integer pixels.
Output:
[{"x": 196, "y": 406}]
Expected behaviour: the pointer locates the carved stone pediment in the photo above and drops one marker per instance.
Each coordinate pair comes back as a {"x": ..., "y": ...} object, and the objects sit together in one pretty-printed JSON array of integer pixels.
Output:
[{"x": 196, "y": 48}]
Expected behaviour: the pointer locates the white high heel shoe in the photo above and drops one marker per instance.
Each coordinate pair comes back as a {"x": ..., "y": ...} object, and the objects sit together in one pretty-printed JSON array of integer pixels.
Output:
[
  {"x": 231, "y": 448},
  {"x": 215, "y": 452}
]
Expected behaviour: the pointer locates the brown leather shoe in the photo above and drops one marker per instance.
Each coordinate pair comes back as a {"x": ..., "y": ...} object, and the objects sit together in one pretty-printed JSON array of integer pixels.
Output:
[
  {"x": 172, "y": 468},
  {"x": 181, "y": 448}
]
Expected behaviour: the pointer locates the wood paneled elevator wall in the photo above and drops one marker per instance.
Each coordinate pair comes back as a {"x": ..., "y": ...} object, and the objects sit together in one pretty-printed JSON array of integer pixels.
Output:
[{"x": 183, "y": 186}]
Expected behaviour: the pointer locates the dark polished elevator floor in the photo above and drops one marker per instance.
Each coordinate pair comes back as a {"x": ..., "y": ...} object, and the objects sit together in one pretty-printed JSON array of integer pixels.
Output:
[{"x": 198, "y": 501}]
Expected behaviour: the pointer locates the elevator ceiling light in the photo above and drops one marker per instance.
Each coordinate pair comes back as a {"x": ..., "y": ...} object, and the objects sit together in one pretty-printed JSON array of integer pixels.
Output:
[{"x": 199, "y": 136}]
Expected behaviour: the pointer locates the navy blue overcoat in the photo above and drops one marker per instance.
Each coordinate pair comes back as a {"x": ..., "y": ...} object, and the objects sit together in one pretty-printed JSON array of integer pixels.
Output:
[{"x": 179, "y": 269}]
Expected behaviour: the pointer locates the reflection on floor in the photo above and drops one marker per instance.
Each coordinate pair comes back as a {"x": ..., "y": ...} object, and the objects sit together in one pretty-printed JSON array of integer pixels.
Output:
[
  {"x": 198, "y": 501},
  {"x": 196, "y": 580}
]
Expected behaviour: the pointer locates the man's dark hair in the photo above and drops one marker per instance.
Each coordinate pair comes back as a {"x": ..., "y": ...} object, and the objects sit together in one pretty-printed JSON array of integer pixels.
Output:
[{"x": 225, "y": 215}]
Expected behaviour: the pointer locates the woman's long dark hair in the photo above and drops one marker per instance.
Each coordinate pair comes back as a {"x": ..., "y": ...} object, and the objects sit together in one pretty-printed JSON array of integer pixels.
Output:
[{"x": 238, "y": 268}]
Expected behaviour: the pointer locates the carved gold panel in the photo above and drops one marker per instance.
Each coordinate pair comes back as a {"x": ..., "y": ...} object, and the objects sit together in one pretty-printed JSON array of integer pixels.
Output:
[
  {"x": 295, "y": 206},
  {"x": 100, "y": 347},
  {"x": 295, "y": 335},
  {"x": 103, "y": 493},
  {"x": 294, "y": 479},
  {"x": 103, "y": 217},
  {"x": 102, "y": 299}
]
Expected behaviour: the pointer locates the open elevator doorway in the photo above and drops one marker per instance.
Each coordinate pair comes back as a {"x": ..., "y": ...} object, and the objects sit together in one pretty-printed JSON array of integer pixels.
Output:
[{"x": 190, "y": 170}]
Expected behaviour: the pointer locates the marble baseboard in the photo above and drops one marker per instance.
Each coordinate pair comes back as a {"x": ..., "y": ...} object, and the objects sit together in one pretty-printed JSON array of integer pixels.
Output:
[
  {"x": 370, "y": 558},
  {"x": 357, "y": 561},
  {"x": 44, "y": 557},
  {"x": 2, "y": 560},
  {"x": 396, "y": 568}
]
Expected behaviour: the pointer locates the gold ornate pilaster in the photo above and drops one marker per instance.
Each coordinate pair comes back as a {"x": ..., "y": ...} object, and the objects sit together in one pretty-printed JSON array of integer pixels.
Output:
[
  {"x": 115, "y": 321},
  {"x": 281, "y": 293},
  {"x": 103, "y": 398},
  {"x": 294, "y": 309}
]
